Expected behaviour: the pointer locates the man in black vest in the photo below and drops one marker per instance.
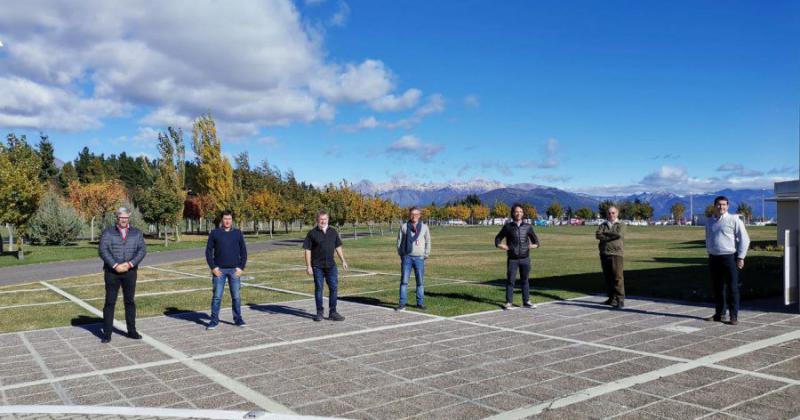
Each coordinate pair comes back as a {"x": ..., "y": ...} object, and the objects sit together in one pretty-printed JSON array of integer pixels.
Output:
[
  {"x": 520, "y": 239},
  {"x": 122, "y": 248}
]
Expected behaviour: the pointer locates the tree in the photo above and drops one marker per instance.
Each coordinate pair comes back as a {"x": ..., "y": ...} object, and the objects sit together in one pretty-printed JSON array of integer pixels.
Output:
[
  {"x": 677, "y": 210},
  {"x": 214, "y": 172},
  {"x": 471, "y": 200},
  {"x": 265, "y": 206},
  {"x": 710, "y": 209},
  {"x": 56, "y": 222},
  {"x": 555, "y": 210},
  {"x": 458, "y": 212},
  {"x": 530, "y": 211},
  {"x": 643, "y": 210},
  {"x": 500, "y": 210},
  {"x": 627, "y": 210},
  {"x": 479, "y": 213},
  {"x": 158, "y": 206},
  {"x": 191, "y": 209},
  {"x": 67, "y": 175},
  {"x": 602, "y": 208},
  {"x": 109, "y": 218},
  {"x": 584, "y": 213},
  {"x": 20, "y": 189},
  {"x": 745, "y": 210},
  {"x": 48, "y": 172},
  {"x": 95, "y": 199}
]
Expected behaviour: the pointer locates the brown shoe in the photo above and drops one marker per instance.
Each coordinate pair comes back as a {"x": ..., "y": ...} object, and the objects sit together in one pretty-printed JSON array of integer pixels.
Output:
[{"x": 734, "y": 321}]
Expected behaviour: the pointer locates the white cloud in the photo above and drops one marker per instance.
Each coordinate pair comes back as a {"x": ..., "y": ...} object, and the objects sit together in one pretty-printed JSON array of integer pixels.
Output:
[
  {"x": 411, "y": 145},
  {"x": 737, "y": 169},
  {"x": 549, "y": 160},
  {"x": 251, "y": 64},
  {"x": 407, "y": 100},
  {"x": 342, "y": 14},
  {"x": 148, "y": 135},
  {"x": 434, "y": 105},
  {"x": 471, "y": 101},
  {"x": 268, "y": 140}
]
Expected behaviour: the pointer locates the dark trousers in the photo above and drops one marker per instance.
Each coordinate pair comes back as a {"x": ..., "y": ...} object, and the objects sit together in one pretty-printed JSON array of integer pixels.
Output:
[
  {"x": 524, "y": 267},
  {"x": 613, "y": 274},
  {"x": 725, "y": 277},
  {"x": 113, "y": 281},
  {"x": 331, "y": 276}
]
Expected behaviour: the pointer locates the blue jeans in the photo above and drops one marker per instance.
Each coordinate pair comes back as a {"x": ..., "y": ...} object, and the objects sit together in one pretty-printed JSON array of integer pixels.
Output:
[
  {"x": 407, "y": 262},
  {"x": 219, "y": 287},
  {"x": 331, "y": 276}
]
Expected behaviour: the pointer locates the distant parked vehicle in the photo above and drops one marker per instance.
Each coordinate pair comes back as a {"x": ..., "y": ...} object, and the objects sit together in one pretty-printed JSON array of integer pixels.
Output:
[
  {"x": 455, "y": 222},
  {"x": 541, "y": 222},
  {"x": 575, "y": 222}
]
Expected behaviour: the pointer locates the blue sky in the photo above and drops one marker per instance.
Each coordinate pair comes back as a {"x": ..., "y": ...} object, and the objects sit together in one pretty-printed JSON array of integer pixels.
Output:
[{"x": 585, "y": 96}]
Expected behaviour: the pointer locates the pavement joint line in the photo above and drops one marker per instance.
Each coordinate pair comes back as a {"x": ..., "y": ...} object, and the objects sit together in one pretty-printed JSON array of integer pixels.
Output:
[
  {"x": 211, "y": 373},
  {"x": 173, "y": 271},
  {"x": 774, "y": 391},
  {"x": 707, "y": 361},
  {"x": 8, "y": 292},
  {"x": 28, "y": 305},
  {"x": 137, "y": 282},
  {"x": 275, "y": 289},
  {"x": 168, "y": 292},
  {"x": 43, "y": 366},
  {"x": 125, "y": 411}
]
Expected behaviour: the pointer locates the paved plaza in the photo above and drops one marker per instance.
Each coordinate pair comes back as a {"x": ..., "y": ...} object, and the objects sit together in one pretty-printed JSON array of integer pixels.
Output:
[{"x": 570, "y": 359}]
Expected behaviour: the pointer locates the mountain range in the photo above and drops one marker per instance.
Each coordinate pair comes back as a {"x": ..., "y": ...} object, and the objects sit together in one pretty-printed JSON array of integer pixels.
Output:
[{"x": 542, "y": 196}]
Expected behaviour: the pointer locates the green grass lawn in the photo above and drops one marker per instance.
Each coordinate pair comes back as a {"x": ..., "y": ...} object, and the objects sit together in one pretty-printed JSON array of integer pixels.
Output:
[{"x": 465, "y": 274}]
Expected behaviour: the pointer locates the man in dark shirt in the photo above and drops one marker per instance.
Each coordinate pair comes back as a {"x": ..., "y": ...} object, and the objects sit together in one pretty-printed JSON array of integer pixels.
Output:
[
  {"x": 226, "y": 255},
  {"x": 320, "y": 245},
  {"x": 520, "y": 238}
]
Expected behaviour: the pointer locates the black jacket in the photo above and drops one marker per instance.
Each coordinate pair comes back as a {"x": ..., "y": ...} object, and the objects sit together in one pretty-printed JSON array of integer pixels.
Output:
[
  {"x": 517, "y": 238},
  {"x": 113, "y": 250}
]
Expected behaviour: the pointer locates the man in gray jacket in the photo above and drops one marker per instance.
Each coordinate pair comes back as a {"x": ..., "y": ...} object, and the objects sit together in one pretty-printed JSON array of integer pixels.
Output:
[
  {"x": 122, "y": 248},
  {"x": 414, "y": 247},
  {"x": 727, "y": 243}
]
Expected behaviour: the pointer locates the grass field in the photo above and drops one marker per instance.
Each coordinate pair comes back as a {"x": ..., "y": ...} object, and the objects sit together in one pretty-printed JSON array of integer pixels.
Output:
[{"x": 465, "y": 274}]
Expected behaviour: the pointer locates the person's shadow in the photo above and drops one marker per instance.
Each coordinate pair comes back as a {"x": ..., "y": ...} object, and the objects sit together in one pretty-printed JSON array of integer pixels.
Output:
[
  {"x": 93, "y": 324},
  {"x": 281, "y": 309}
]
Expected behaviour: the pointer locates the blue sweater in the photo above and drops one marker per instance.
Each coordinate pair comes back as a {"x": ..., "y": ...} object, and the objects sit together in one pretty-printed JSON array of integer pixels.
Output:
[{"x": 226, "y": 249}]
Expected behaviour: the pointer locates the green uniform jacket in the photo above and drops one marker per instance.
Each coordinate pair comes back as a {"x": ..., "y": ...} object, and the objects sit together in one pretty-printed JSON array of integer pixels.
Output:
[{"x": 610, "y": 237}]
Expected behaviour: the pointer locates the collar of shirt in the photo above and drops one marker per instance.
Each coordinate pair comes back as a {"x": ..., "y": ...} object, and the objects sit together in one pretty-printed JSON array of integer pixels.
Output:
[{"x": 325, "y": 230}]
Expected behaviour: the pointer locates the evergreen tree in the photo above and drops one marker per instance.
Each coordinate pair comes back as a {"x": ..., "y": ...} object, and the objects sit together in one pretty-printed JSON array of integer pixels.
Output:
[{"x": 56, "y": 222}]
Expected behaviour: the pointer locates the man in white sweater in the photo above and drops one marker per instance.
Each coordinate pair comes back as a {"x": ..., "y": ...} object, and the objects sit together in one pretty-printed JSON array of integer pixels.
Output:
[
  {"x": 727, "y": 243},
  {"x": 414, "y": 247}
]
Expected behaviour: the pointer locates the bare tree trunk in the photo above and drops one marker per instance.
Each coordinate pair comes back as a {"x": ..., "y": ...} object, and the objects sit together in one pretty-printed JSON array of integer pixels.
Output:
[
  {"x": 92, "y": 234},
  {"x": 177, "y": 233},
  {"x": 20, "y": 252},
  {"x": 271, "y": 227},
  {"x": 10, "y": 237}
]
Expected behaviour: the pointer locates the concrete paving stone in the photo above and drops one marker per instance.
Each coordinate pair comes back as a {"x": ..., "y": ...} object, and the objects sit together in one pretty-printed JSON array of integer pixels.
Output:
[
  {"x": 754, "y": 382},
  {"x": 627, "y": 398},
  {"x": 211, "y": 389},
  {"x": 331, "y": 408},
  {"x": 718, "y": 396},
  {"x": 96, "y": 398},
  {"x": 639, "y": 415},
  {"x": 415, "y": 373},
  {"x": 755, "y": 410},
  {"x": 29, "y": 390},
  {"x": 675, "y": 410},
  {"x": 539, "y": 393},
  {"x": 478, "y": 374},
  {"x": 280, "y": 387},
  {"x": 570, "y": 384},
  {"x": 443, "y": 381},
  {"x": 23, "y": 377},
  {"x": 458, "y": 412},
  {"x": 340, "y": 388},
  {"x": 505, "y": 401},
  {"x": 785, "y": 398},
  {"x": 539, "y": 359},
  {"x": 299, "y": 397},
  {"x": 615, "y": 372},
  {"x": 788, "y": 369},
  {"x": 412, "y": 406},
  {"x": 378, "y": 380},
  {"x": 158, "y": 400},
  {"x": 214, "y": 402},
  {"x": 598, "y": 408},
  {"x": 753, "y": 361}
]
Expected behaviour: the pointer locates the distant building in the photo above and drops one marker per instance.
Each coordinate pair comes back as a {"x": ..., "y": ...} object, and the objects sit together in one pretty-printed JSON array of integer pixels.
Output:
[{"x": 787, "y": 195}]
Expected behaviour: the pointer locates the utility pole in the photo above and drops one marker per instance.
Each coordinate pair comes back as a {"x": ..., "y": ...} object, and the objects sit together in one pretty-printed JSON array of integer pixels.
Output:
[{"x": 691, "y": 208}]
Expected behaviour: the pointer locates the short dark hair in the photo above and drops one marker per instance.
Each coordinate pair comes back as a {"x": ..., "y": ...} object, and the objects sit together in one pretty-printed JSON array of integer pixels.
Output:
[
  {"x": 412, "y": 208},
  {"x": 514, "y": 206},
  {"x": 226, "y": 213},
  {"x": 721, "y": 198}
]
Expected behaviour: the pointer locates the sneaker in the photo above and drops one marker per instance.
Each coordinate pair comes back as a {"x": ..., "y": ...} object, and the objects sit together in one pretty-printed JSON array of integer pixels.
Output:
[
  {"x": 421, "y": 307},
  {"x": 334, "y": 316},
  {"x": 240, "y": 323},
  {"x": 318, "y": 317},
  {"x": 529, "y": 304},
  {"x": 212, "y": 326},
  {"x": 134, "y": 335},
  {"x": 400, "y": 308},
  {"x": 507, "y": 306}
]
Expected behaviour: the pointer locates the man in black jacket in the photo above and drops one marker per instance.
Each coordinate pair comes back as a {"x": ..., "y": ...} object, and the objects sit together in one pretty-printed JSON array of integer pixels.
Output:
[
  {"x": 122, "y": 248},
  {"x": 520, "y": 238}
]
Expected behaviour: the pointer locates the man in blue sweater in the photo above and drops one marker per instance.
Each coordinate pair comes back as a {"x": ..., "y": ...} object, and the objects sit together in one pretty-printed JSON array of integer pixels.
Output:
[{"x": 226, "y": 254}]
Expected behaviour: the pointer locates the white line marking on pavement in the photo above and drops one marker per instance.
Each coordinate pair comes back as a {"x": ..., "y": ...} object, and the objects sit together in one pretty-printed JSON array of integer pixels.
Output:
[
  {"x": 211, "y": 373},
  {"x": 27, "y": 305},
  {"x": 628, "y": 382},
  {"x": 43, "y": 366},
  {"x": 275, "y": 289},
  {"x": 169, "y": 292},
  {"x": 174, "y": 271},
  {"x": 122, "y": 411}
]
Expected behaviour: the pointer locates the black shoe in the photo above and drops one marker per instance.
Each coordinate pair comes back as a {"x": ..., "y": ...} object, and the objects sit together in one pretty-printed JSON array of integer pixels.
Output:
[
  {"x": 734, "y": 321},
  {"x": 400, "y": 308},
  {"x": 609, "y": 301},
  {"x": 240, "y": 323},
  {"x": 618, "y": 304},
  {"x": 105, "y": 340},
  {"x": 334, "y": 316},
  {"x": 134, "y": 335},
  {"x": 714, "y": 318},
  {"x": 318, "y": 317},
  {"x": 421, "y": 307}
]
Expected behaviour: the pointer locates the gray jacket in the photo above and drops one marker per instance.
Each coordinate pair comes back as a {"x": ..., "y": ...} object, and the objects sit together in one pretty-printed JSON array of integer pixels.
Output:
[
  {"x": 113, "y": 250},
  {"x": 421, "y": 248}
]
